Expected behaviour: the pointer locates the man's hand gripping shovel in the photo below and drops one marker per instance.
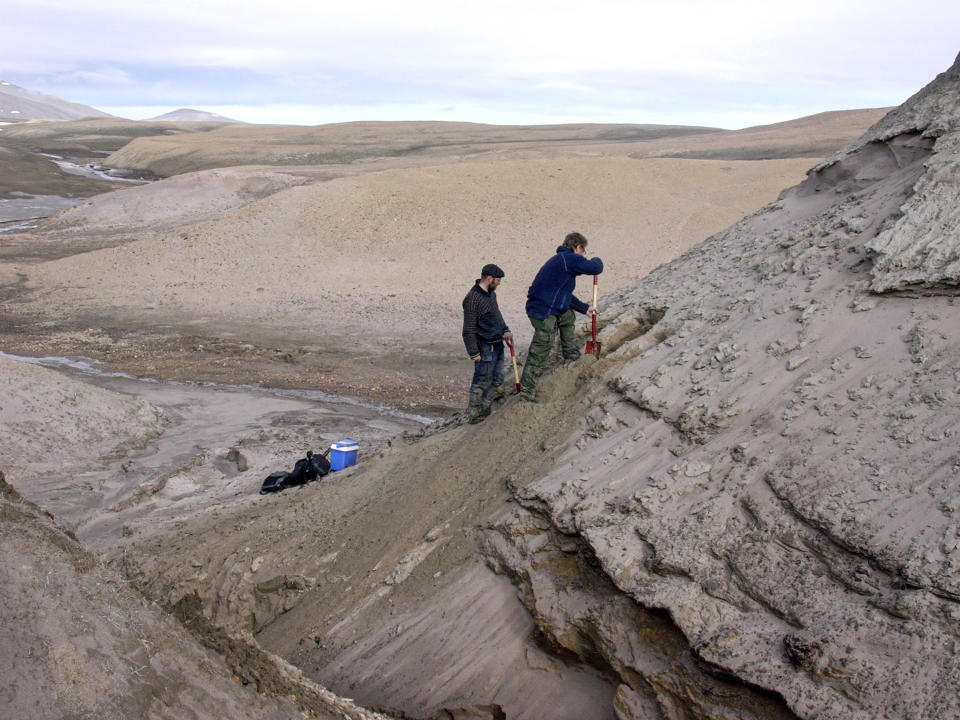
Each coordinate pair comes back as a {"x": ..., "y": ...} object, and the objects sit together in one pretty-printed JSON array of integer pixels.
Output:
[
  {"x": 592, "y": 345},
  {"x": 513, "y": 357}
]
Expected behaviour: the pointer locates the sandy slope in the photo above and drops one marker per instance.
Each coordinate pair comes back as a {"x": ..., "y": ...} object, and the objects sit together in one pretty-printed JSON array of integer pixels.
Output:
[
  {"x": 51, "y": 422},
  {"x": 77, "y": 641},
  {"x": 390, "y": 254}
]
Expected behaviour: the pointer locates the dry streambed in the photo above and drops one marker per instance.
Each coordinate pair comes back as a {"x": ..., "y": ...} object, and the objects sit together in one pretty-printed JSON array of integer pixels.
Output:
[{"x": 143, "y": 455}]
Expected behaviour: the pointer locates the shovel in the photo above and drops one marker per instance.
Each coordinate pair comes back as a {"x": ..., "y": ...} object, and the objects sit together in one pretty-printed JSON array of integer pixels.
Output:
[
  {"x": 592, "y": 345},
  {"x": 516, "y": 373}
]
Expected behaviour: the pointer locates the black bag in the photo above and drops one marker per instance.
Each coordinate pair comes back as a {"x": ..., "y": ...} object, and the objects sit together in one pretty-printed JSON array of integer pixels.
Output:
[
  {"x": 302, "y": 472},
  {"x": 273, "y": 483},
  {"x": 305, "y": 470},
  {"x": 320, "y": 464}
]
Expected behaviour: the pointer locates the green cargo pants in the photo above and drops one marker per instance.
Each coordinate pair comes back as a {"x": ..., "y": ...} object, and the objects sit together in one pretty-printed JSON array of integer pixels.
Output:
[{"x": 542, "y": 344}]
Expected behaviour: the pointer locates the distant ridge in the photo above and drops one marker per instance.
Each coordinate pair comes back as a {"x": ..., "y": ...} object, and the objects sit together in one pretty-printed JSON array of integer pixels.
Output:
[
  {"x": 191, "y": 115},
  {"x": 17, "y": 103}
]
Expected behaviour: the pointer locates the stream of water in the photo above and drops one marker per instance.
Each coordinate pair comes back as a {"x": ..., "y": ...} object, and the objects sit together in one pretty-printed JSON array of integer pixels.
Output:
[{"x": 23, "y": 211}]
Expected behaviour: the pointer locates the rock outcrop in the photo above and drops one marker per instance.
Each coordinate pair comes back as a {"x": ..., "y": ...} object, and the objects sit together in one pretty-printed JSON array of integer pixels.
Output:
[
  {"x": 771, "y": 474},
  {"x": 920, "y": 249}
]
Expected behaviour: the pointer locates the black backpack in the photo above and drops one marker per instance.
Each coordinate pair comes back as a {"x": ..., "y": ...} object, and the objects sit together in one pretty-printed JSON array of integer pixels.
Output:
[
  {"x": 320, "y": 463},
  {"x": 305, "y": 470}
]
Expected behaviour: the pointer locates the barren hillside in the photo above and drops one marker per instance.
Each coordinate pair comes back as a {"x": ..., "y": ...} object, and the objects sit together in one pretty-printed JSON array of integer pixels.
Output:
[
  {"x": 17, "y": 103},
  {"x": 335, "y": 264},
  {"x": 358, "y": 141},
  {"x": 812, "y": 137}
]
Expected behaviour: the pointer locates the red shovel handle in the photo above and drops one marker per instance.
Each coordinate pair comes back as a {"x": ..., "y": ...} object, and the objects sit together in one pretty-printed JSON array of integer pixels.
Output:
[
  {"x": 593, "y": 347},
  {"x": 594, "y": 316}
]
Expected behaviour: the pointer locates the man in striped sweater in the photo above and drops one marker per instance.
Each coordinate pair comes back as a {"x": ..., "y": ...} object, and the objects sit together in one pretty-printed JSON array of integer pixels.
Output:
[{"x": 483, "y": 333}]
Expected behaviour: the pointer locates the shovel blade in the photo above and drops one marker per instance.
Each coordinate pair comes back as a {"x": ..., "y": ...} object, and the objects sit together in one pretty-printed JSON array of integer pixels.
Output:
[{"x": 592, "y": 345}]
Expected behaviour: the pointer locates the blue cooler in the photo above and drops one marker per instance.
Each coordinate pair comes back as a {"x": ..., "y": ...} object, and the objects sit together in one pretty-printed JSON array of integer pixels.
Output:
[{"x": 343, "y": 454}]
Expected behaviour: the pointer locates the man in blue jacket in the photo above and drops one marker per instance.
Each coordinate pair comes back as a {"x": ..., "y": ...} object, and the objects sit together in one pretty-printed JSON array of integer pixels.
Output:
[{"x": 550, "y": 307}]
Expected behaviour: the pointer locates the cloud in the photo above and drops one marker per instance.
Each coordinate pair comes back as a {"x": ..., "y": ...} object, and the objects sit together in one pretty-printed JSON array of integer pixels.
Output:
[
  {"x": 639, "y": 56},
  {"x": 108, "y": 76}
]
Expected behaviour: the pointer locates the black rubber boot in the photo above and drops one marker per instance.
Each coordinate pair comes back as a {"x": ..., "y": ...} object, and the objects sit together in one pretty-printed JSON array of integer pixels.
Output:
[{"x": 476, "y": 411}]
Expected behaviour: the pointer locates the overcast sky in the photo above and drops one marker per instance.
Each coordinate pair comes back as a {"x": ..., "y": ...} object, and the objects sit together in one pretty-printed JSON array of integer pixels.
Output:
[{"x": 721, "y": 63}]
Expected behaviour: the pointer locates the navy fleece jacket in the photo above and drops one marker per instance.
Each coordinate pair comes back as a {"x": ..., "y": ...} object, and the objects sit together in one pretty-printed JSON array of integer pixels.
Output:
[{"x": 552, "y": 290}]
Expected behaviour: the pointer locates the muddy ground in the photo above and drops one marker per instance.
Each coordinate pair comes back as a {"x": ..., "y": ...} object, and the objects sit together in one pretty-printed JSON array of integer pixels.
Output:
[{"x": 421, "y": 379}]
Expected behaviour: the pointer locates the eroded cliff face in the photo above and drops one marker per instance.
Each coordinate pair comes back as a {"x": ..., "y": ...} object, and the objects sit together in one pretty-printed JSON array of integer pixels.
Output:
[
  {"x": 919, "y": 248},
  {"x": 772, "y": 473}
]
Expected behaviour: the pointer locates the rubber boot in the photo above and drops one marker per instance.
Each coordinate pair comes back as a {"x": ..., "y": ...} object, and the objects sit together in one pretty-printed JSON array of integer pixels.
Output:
[
  {"x": 476, "y": 412},
  {"x": 570, "y": 355}
]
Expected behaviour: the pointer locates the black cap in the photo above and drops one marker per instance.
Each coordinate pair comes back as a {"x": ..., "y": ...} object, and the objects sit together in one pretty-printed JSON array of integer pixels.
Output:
[{"x": 492, "y": 270}]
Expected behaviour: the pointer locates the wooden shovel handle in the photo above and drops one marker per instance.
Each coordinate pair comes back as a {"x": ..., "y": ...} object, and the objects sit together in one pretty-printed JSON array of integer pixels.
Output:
[{"x": 513, "y": 357}]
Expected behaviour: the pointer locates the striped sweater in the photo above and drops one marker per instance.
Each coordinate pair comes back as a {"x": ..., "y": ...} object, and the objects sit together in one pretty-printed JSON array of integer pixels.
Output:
[{"x": 482, "y": 321}]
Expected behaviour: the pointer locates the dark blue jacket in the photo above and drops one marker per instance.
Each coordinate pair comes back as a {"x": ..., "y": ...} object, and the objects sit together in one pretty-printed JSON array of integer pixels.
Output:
[{"x": 552, "y": 290}]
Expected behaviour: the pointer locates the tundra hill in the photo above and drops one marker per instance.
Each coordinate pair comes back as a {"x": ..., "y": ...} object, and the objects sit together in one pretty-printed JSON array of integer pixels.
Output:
[
  {"x": 746, "y": 508},
  {"x": 814, "y": 136},
  {"x": 351, "y": 142},
  {"x": 94, "y": 135},
  {"x": 191, "y": 115}
]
